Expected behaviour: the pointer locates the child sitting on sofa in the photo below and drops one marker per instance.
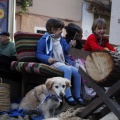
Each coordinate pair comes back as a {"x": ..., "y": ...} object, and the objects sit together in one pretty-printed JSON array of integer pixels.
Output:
[
  {"x": 52, "y": 49},
  {"x": 97, "y": 40},
  {"x": 75, "y": 32}
]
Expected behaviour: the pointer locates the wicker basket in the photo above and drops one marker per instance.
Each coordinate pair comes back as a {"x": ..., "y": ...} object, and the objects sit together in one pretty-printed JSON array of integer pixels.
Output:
[{"x": 4, "y": 96}]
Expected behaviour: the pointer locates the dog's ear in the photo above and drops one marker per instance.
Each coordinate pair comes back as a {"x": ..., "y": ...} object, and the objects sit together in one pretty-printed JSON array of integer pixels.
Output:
[
  {"x": 49, "y": 83},
  {"x": 44, "y": 90},
  {"x": 68, "y": 83},
  {"x": 40, "y": 89}
]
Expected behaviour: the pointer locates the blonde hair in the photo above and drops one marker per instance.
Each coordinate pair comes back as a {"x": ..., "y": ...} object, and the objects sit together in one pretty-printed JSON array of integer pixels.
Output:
[{"x": 100, "y": 23}]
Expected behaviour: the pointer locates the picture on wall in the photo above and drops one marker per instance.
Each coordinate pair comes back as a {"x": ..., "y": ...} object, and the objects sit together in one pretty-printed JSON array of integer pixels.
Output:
[{"x": 4, "y": 4}]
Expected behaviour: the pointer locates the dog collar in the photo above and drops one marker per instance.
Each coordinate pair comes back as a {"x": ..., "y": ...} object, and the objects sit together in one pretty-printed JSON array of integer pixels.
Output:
[{"x": 51, "y": 96}]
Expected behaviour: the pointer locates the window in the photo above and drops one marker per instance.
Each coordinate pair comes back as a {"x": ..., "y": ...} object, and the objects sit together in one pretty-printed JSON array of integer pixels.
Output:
[{"x": 40, "y": 30}]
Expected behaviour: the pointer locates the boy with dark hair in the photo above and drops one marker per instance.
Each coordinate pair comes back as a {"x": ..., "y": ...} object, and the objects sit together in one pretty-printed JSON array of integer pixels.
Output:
[{"x": 52, "y": 49}]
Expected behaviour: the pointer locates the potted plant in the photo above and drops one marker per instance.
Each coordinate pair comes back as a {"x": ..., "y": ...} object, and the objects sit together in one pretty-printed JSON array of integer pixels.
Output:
[{"x": 24, "y": 5}]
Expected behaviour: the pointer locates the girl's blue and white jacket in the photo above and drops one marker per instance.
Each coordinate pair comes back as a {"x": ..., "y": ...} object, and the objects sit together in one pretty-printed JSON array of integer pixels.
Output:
[{"x": 45, "y": 51}]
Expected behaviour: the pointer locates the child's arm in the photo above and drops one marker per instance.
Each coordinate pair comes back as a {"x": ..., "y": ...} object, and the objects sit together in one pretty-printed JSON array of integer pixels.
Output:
[
  {"x": 41, "y": 51},
  {"x": 93, "y": 44},
  {"x": 66, "y": 46},
  {"x": 110, "y": 47}
]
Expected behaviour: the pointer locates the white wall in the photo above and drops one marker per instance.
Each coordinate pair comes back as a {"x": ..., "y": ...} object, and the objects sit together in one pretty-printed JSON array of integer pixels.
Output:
[
  {"x": 114, "y": 24},
  {"x": 87, "y": 21}
]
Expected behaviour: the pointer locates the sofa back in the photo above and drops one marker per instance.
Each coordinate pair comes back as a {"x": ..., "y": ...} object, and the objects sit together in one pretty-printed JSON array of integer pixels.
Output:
[{"x": 26, "y": 45}]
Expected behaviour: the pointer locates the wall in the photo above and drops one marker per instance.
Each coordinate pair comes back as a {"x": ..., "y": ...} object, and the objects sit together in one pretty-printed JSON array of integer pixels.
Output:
[
  {"x": 114, "y": 24},
  {"x": 87, "y": 21},
  {"x": 66, "y": 9},
  {"x": 42, "y": 10},
  {"x": 28, "y": 22}
]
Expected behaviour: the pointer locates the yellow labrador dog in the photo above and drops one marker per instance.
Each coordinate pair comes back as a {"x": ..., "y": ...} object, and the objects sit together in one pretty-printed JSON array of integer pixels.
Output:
[{"x": 46, "y": 97}]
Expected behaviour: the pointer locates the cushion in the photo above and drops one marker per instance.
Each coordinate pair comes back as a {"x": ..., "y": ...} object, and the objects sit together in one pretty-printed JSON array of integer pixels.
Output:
[
  {"x": 36, "y": 68},
  {"x": 26, "y": 45}
]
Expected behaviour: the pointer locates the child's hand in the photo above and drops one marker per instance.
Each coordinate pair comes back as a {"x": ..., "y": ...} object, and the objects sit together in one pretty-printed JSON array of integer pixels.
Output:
[
  {"x": 106, "y": 49},
  {"x": 51, "y": 60},
  {"x": 73, "y": 43}
]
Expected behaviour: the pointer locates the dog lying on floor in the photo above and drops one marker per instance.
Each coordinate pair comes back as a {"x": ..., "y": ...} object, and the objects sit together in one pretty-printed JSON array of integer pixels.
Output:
[{"x": 46, "y": 97}]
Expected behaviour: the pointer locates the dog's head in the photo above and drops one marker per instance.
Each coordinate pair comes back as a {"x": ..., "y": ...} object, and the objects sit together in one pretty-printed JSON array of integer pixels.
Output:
[{"x": 57, "y": 85}]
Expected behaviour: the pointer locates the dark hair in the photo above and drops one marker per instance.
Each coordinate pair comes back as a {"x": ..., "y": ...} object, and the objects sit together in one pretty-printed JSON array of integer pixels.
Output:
[
  {"x": 100, "y": 23},
  {"x": 72, "y": 28},
  {"x": 54, "y": 23},
  {"x": 5, "y": 34}
]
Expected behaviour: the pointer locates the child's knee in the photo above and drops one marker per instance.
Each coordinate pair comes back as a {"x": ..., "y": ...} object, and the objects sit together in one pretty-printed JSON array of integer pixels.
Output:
[
  {"x": 74, "y": 69},
  {"x": 67, "y": 69}
]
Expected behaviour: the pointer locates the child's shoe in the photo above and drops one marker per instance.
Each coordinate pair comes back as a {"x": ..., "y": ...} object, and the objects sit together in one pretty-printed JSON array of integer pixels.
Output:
[{"x": 72, "y": 103}]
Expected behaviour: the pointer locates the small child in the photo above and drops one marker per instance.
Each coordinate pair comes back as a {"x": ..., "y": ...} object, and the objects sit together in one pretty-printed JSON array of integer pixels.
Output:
[
  {"x": 97, "y": 40},
  {"x": 73, "y": 30},
  {"x": 52, "y": 49}
]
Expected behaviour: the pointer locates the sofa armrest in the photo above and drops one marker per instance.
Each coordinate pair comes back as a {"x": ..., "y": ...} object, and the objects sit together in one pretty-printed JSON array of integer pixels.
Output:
[{"x": 35, "y": 68}]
